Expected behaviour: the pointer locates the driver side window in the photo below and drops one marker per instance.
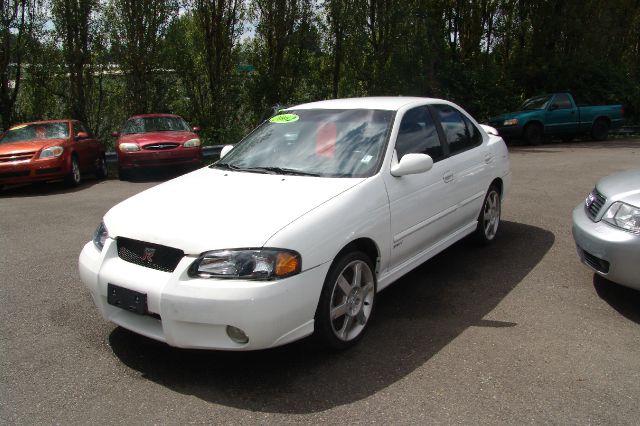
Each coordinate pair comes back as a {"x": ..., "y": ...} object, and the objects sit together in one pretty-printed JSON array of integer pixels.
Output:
[{"x": 418, "y": 135}]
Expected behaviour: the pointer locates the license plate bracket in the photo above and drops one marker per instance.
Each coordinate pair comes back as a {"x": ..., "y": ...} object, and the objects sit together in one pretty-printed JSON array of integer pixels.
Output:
[{"x": 129, "y": 300}]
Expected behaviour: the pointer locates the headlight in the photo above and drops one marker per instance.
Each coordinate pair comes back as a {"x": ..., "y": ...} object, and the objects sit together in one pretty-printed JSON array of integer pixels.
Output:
[
  {"x": 251, "y": 264},
  {"x": 191, "y": 143},
  {"x": 52, "y": 152},
  {"x": 100, "y": 236},
  {"x": 511, "y": 122},
  {"x": 129, "y": 147},
  {"x": 624, "y": 216}
]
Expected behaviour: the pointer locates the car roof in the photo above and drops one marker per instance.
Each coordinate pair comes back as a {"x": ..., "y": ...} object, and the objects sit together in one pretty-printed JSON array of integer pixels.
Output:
[
  {"x": 153, "y": 115},
  {"x": 390, "y": 103}
]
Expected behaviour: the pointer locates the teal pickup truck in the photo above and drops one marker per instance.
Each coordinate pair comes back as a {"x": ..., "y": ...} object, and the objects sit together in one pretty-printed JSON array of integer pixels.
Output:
[{"x": 557, "y": 114}]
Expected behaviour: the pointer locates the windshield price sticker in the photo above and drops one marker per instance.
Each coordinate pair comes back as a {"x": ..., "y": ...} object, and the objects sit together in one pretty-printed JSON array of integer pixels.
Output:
[{"x": 284, "y": 118}]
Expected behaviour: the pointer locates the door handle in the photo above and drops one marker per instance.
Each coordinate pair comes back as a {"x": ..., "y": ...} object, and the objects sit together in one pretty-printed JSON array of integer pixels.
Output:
[{"x": 448, "y": 176}]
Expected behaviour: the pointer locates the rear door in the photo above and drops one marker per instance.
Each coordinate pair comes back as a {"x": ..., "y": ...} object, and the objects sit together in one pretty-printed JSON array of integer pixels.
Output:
[{"x": 469, "y": 161}]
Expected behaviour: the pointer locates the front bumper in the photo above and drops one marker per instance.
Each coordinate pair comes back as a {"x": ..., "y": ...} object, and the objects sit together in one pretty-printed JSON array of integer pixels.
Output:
[
  {"x": 610, "y": 252},
  {"x": 172, "y": 157},
  {"x": 194, "y": 313},
  {"x": 34, "y": 170},
  {"x": 509, "y": 132}
]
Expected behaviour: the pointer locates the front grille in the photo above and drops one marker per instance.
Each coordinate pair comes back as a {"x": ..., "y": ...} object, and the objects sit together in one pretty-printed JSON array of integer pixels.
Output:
[
  {"x": 161, "y": 146},
  {"x": 594, "y": 203},
  {"x": 21, "y": 156},
  {"x": 596, "y": 263},
  {"x": 14, "y": 174},
  {"x": 154, "y": 256}
]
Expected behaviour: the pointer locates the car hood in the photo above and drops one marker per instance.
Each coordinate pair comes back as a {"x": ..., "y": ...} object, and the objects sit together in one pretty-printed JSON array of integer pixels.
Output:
[
  {"x": 623, "y": 186},
  {"x": 155, "y": 137},
  {"x": 215, "y": 209},
  {"x": 510, "y": 115},
  {"x": 29, "y": 146}
]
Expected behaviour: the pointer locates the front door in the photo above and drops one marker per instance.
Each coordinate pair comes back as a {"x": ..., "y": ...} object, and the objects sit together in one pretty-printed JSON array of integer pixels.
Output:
[
  {"x": 561, "y": 116},
  {"x": 421, "y": 205}
]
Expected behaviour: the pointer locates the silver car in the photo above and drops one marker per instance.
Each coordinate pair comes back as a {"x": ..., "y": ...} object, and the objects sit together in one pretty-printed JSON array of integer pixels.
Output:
[{"x": 606, "y": 228}]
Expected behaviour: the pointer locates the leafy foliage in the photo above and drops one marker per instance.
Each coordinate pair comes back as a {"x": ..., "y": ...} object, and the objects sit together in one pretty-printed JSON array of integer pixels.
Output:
[{"x": 222, "y": 63}]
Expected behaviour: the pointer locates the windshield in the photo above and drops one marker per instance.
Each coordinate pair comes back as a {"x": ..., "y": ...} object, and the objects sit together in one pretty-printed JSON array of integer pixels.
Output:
[
  {"x": 539, "y": 102},
  {"x": 331, "y": 143},
  {"x": 155, "y": 124},
  {"x": 36, "y": 131}
]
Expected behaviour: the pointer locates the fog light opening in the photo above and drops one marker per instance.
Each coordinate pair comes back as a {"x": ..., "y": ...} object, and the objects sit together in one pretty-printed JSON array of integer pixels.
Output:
[{"x": 237, "y": 335}]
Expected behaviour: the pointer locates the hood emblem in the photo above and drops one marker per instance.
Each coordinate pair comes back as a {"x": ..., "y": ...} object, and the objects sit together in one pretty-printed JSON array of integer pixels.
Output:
[{"x": 148, "y": 254}]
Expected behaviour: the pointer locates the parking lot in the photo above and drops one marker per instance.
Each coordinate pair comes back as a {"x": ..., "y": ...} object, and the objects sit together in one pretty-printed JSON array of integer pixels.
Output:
[{"x": 517, "y": 332}]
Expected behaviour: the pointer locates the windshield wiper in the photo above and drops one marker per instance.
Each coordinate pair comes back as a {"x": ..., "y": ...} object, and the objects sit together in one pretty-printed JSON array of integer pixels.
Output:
[
  {"x": 267, "y": 170},
  {"x": 283, "y": 171},
  {"x": 225, "y": 166}
]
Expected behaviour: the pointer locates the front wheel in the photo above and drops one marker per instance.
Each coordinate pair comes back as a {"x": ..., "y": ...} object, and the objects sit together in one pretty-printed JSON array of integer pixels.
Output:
[
  {"x": 489, "y": 217},
  {"x": 347, "y": 301},
  {"x": 74, "y": 177},
  {"x": 533, "y": 134}
]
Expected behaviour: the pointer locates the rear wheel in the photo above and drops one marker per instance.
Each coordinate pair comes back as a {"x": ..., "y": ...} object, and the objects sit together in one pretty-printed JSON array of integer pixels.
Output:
[
  {"x": 347, "y": 301},
  {"x": 489, "y": 217},
  {"x": 533, "y": 134},
  {"x": 101, "y": 167},
  {"x": 600, "y": 130},
  {"x": 74, "y": 177}
]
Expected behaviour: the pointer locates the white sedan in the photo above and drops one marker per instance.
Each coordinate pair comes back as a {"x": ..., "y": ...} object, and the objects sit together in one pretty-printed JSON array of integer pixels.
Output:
[{"x": 298, "y": 227}]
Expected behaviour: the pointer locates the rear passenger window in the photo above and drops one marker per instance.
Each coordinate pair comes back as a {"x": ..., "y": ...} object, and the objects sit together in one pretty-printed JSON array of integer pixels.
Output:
[
  {"x": 461, "y": 134},
  {"x": 473, "y": 132},
  {"x": 418, "y": 135}
]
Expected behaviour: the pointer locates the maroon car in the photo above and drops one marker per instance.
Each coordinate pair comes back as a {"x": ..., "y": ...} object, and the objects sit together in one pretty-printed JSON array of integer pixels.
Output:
[{"x": 157, "y": 140}]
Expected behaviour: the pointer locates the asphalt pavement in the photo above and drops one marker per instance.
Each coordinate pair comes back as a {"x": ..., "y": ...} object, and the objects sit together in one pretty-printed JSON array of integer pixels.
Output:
[{"x": 519, "y": 332}]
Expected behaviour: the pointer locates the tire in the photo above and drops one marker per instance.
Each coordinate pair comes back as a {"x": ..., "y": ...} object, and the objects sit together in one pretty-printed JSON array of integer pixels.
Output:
[
  {"x": 102, "y": 169},
  {"x": 533, "y": 134},
  {"x": 346, "y": 301},
  {"x": 600, "y": 130},
  {"x": 74, "y": 178},
  {"x": 489, "y": 217},
  {"x": 123, "y": 174}
]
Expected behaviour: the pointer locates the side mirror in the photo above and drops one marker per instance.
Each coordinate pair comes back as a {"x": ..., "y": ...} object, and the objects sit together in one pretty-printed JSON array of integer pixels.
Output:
[
  {"x": 412, "y": 164},
  {"x": 225, "y": 150},
  {"x": 196, "y": 129},
  {"x": 82, "y": 135},
  {"x": 115, "y": 134}
]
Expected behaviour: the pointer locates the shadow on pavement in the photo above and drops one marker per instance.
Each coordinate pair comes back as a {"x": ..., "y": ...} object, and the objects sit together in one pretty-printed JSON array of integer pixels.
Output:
[
  {"x": 157, "y": 174},
  {"x": 39, "y": 189},
  {"x": 416, "y": 317},
  {"x": 625, "y": 300}
]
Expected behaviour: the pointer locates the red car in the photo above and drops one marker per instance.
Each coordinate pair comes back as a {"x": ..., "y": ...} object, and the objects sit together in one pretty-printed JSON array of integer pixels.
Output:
[
  {"x": 50, "y": 150},
  {"x": 157, "y": 140}
]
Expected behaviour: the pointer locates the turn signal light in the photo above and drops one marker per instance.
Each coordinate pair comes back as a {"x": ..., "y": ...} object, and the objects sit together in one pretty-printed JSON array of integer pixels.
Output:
[{"x": 287, "y": 264}]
